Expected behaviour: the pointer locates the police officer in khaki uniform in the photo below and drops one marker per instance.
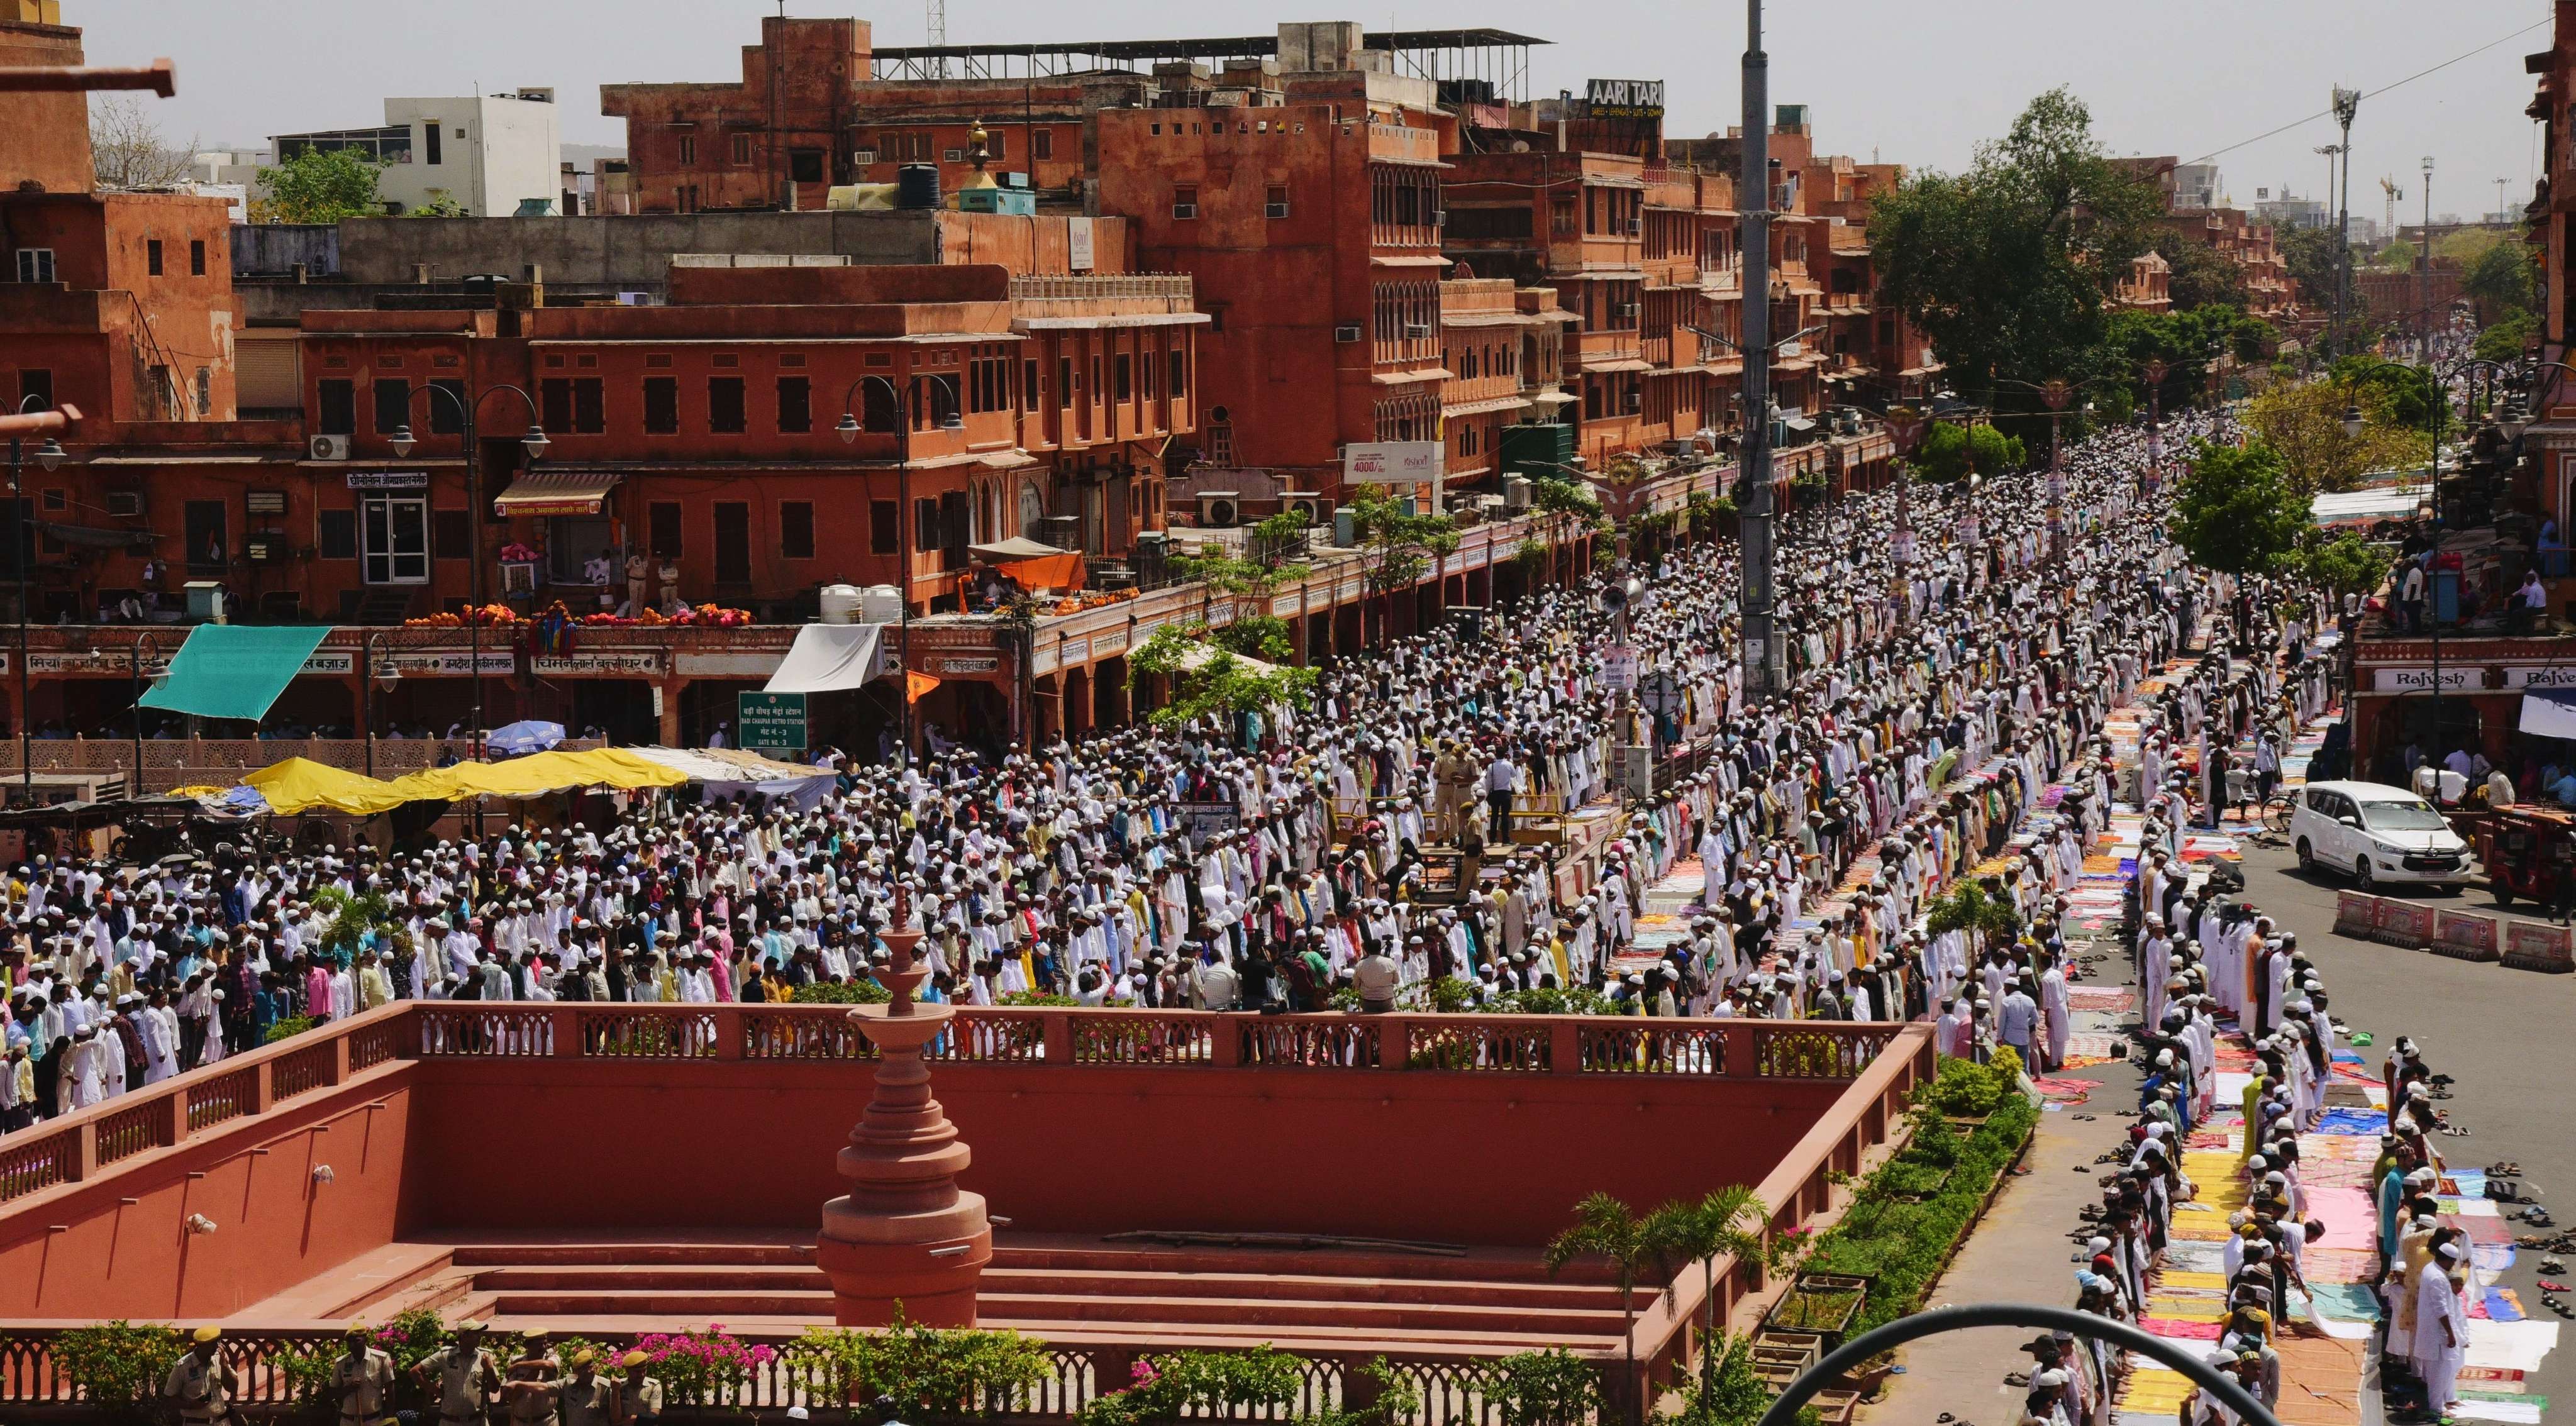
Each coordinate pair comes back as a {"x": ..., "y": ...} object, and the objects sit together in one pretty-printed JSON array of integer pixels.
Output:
[
  {"x": 201, "y": 1383},
  {"x": 585, "y": 1398},
  {"x": 528, "y": 1397},
  {"x": 639, "y": 1397},
  {"x": 460, "y": 1377},
  {"x": 362, "y": 1380}
]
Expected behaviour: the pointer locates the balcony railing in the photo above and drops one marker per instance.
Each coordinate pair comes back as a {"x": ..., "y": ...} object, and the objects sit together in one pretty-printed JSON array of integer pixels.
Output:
[{"x": 1165, "y": 286}]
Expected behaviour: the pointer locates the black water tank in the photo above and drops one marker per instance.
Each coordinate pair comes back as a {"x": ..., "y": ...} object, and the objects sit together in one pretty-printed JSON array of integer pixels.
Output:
[{"x": 916, "y": 185}]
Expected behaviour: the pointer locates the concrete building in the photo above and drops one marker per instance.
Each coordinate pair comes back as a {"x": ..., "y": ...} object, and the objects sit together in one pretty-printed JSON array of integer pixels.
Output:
[
  {"x": 497, "y": 155},
  {"x": 47, "y": 134}
]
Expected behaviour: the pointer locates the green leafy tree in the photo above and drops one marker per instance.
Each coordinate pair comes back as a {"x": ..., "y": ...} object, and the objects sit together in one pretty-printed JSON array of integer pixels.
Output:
[
  {"x": 119, "y": 1366},
  {"x": 2011, "y": 267},
  {"x": 2508, "y": 339},
  {"x": 2345, "y": 564},
  {"x": 1950, "y": 452},
  {"x": 1610, "y": 1230},
  {"x": 319, "y": 186},
  {"x": 2236, "y": 510},
  {"x": 2188, "y": 341},
  {"x": 2302, "y": 423},
  {"x": 2311, "y": 255},
  {"x": 1969, "y": 907},
  {"x": 2501, "y": 281},
  {"x": 1728, "y": 1222},
  {"x": 2406, "y": 391},
  {"x": 1399, "y": 547},
  {"x": 1549, "y": 1388},
  {"x": 441, "y": 204},
  {"x": 2202, "y": 276},
  {"x": 1209, "y": 679}
]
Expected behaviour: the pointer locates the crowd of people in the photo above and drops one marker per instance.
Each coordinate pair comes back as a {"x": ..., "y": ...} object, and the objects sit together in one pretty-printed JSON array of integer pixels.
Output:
[{"x": 1929, "y": 706}]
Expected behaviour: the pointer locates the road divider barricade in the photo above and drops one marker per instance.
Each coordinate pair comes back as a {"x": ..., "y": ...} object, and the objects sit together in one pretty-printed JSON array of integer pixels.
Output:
[
  {"x": 2402, "y": 923},
  {"x": 2466, "y": 936},
  {"x": 2531, "y": 945},
  {"x": 2356, "y": 914}
]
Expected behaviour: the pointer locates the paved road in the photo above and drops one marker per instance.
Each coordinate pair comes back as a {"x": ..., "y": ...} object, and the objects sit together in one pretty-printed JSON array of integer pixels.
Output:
[{"x": 2504, "y": 1035}]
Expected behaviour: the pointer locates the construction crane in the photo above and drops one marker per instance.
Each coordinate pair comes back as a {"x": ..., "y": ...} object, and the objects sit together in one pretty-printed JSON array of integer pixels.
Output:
[{"x": 2395, "y": 194}]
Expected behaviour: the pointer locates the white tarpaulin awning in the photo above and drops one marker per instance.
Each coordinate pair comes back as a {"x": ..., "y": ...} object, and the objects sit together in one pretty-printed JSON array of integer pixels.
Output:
[
  {"x": 828, "y": 658},
  {"x": 732, "y": 772},
  {"x": 1199, "y": 656},
  {"x": 2550, "y": 714}
]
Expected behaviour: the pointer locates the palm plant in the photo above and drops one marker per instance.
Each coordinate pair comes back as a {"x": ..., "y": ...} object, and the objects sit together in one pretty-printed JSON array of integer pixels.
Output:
[
  {"x": 1610, "y": 1230},
  {"x": 1728, "y": 1222}
]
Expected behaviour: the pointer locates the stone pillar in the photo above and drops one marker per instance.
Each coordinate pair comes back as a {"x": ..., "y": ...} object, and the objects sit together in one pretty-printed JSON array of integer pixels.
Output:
[{"x": 904, "y": 1233}]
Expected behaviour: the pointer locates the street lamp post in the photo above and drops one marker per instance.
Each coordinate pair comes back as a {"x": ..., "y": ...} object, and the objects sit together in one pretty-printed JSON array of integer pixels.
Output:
[
  {"x": 134, "y": 667},
  {"x": 535, "y": 443},
  {"x": 2346, "y": 103},
  {"x": 2154, "y": 372},
  {"x": 2056, "y": 392},
  {"x": 1906, "y": 426},
  {"x": 848, "y": 430},
  {"x": 374, "y": 671},
  {"x": 50, "y": 456}
]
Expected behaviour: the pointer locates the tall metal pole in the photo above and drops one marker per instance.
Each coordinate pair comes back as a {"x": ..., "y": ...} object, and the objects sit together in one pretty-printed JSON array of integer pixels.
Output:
[
  {"x": 2346, "y": 102},
  {"x": 2424, "y": 285},
  {"x": 18, "y": 557},
  {"x": 903, "y": 542},
  {"x": 1761, "y": 652}
]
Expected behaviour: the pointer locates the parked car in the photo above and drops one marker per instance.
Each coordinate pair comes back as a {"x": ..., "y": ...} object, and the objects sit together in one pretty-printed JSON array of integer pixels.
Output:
[{"x": 2376, "y": 833}]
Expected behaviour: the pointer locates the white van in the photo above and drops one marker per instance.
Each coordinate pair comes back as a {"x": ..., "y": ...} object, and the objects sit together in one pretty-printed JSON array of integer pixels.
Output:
[{"x": 2374, "y": 832}]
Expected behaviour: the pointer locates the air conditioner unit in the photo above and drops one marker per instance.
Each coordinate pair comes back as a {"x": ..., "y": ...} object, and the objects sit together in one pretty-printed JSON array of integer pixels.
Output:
[
  {"x": 1636, "y": 226},
  {"x": 1347, "y": 332},
  {"x": 126, "y": 504},
  {"x": 329, "y": 447},
  {"x": 1417, "y": 331},
  {"x": 863, "y": 156},
  {"x": 1440, "y": 217},
  {"x": 264, "y": 548},
  {"x": 953, "y": 155},
  {"x": 1274, "y": 210},
  {"x": 1315, "y": 510},
  {"x": 1219, "y": 509},
  {"x": 1185, "y": 210}
]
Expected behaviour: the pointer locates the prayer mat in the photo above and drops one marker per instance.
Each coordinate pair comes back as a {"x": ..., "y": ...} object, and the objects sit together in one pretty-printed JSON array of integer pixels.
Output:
[{"x": 2180, "y": 1328}]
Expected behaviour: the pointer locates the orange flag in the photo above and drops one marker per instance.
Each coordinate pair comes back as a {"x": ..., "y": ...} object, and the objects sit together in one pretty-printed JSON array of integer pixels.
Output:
[{"x": 917, "y": 684}]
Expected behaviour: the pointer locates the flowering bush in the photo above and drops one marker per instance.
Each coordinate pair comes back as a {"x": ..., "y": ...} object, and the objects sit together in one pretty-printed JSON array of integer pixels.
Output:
[
  {"x": 701, "y": 1368},
  {"x": 939, "y": 1371}
]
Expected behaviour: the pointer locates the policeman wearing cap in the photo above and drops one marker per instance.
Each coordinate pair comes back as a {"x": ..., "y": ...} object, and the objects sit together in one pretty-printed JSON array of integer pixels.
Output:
[
  {"x": 362, "y": 1379},
  {"x": 461, "y": 1377},
  {"x": 202, "y": 1383}
]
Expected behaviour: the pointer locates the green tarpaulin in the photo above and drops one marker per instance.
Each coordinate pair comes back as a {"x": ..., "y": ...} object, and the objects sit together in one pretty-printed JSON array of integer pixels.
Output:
[{"x": 223, "y": 671}]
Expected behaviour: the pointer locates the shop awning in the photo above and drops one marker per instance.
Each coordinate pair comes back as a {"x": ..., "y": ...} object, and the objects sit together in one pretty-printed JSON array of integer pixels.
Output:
[
  {"x": 2551, "y": 714},
  {"x": 557, "y": 492},
  {"x": 1017, "y": 547},
  {"x": 829, "y": 658},
  {"x": 225, "y": 671}
]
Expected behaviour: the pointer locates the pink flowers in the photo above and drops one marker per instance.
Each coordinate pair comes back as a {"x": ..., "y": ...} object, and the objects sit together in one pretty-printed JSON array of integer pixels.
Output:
[
  {"x": 698, "y": 1368},
  {"x": 1142, "y": 1373}
]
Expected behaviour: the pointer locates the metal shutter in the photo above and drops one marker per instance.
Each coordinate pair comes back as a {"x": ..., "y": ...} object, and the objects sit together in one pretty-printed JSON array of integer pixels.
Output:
[{"x": 268, "y": 376}]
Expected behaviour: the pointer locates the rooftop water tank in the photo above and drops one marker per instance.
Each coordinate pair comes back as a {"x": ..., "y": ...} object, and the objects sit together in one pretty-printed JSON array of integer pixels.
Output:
[
  {"x": 881, "y": 604},
  {"x": 842, "y": 603},
  {"x": 916, "y": 185}
]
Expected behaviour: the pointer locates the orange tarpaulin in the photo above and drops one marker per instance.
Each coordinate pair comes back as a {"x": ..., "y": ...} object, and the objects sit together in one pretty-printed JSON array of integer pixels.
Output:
[
  {"x": 1062, "y": 571},
  {"x": 915, "y": 685}
]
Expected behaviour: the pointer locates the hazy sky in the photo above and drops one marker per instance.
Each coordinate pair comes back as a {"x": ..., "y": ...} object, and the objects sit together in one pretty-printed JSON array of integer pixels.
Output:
[{"x": 1918, "y": 82}]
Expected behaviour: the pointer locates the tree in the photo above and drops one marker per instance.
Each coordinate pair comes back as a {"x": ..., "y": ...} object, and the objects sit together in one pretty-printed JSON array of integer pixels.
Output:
[
  {"x": 2202, "y": 276},
  {"x": 2346, "y": 564},
  {"x": 2189, "y": 342},
  {"x": 2302, "y": 423},
  {"x": 1400, "y": 546},
  {"x": 2236, "y": 510},
  {"x": 2507, "y": 339},
  {"x": 127, "y": 149},
  {"x": 2501, "y": 281},
  {"x": 2010, "y": 267},
  {"x": 441, "y": 204},
  {"x": 1728, "y": 1222},
  {"x": 318, "y": 186},
  {"x": 2311, "y": 254},
  {"x": 1211, "y": 680},
  {"x": 1610, "y": 1230},
  {"x": 2407, "y": 390},
  {"x": 1950, "y": 452}
]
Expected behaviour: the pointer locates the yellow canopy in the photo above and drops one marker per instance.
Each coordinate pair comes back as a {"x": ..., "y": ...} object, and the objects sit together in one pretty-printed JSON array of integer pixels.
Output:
[
  {"x": 300, "y": 783},
  {"x": 537, "y": 775}
]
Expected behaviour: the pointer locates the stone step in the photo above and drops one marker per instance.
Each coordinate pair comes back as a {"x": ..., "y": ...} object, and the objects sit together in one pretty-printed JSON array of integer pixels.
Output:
[
  {"x": 705, "y": 1278},
  {"x": 1222, "y": 1314}
]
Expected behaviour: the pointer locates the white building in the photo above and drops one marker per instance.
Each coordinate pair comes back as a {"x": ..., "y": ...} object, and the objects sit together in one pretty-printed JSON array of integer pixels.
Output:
[
  {"x": 494, "y": 154},
  {"x": 2196, "y": 185}
]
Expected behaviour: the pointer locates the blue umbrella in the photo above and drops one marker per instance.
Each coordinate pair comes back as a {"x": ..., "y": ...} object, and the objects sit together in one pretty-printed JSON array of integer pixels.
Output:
[{"x": 527, "y": 737}]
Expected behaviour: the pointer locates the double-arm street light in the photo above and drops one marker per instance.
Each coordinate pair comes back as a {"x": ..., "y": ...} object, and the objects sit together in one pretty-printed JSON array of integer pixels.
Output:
[
  {"x": 2154, "y": 371},
  {"x": 943, "y": 417},
  {"x": 29, "y": 420},
  {"x": 534, "y": 443},
  {"x": 1906, "y": 426}
]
